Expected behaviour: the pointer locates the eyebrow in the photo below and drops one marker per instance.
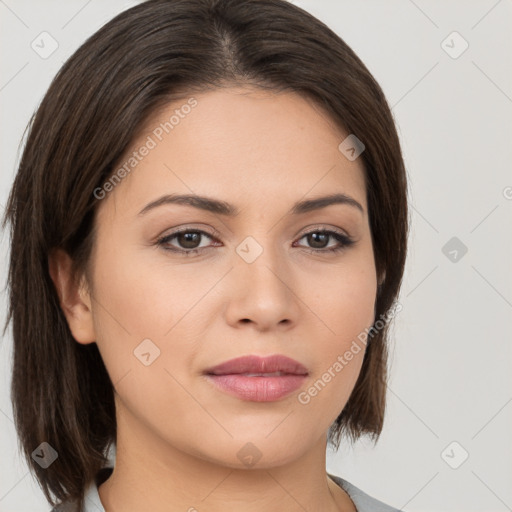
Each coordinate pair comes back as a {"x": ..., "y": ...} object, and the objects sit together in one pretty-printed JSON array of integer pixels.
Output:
[{"x": 223, "y": 208}]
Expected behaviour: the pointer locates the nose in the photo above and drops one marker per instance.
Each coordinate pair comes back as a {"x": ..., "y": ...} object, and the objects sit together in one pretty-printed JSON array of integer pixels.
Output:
[{"x": 263, "y": 292}]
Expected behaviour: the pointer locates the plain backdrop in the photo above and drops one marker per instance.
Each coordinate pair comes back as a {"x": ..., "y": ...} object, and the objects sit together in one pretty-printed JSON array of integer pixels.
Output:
[{"x": 446, "y": 69}]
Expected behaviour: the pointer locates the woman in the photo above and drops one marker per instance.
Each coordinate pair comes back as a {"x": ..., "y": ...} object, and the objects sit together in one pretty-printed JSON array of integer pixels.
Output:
[{"x": 209, "y": 226}]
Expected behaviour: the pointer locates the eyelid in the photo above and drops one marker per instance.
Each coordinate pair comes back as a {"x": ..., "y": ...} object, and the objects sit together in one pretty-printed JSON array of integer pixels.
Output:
[
  {"x": 322, "y": 227},
  {"x": 211, "y": 232}
]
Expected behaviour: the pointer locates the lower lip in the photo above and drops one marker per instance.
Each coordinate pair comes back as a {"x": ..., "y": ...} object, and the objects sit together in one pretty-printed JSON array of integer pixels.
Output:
[{"x": 258, "y": 389}]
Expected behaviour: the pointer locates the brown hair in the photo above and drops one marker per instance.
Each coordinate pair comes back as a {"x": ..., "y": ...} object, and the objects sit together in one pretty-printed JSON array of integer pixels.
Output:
[{"x": 93, "y": 109}]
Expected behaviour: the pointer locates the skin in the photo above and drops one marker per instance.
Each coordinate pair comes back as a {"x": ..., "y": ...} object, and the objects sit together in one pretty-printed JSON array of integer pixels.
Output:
[{"x": 178, "y": 436}]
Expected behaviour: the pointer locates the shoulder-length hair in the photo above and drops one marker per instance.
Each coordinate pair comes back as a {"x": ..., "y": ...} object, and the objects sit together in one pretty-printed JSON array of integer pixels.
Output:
[{"x": 92, "y": 111}]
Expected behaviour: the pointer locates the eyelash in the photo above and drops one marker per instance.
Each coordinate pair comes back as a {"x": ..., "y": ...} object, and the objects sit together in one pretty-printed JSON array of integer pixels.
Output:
[{"x": 344, "y": 240}]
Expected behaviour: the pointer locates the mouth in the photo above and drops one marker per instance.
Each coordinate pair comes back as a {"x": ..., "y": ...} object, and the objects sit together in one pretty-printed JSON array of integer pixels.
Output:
[{"x": 258, "y": 379}]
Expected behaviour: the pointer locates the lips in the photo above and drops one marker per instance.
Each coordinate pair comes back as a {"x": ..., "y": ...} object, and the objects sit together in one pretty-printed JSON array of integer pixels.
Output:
[
  {"x": 256, "y": 365},
  {"x": 258, "y": 379}
]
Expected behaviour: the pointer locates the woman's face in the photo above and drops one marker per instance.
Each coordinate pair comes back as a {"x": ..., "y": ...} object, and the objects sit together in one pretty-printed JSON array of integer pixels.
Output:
[{"x": 259, "y": 280}]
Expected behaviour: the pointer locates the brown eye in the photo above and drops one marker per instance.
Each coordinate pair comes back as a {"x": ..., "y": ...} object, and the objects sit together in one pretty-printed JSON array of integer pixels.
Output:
[
  {"x": 318, "y": 241},
  {"x": 188, "y": 241}
]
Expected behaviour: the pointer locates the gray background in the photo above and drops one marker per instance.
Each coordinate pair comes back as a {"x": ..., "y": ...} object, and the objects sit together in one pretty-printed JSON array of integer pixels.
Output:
[{"x": 450, "y": 378}]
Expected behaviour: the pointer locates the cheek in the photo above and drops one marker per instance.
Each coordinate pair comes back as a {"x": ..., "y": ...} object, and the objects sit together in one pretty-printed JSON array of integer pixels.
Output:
[
  {"x": 139, "y": 321},
  {"x": 144, "y": 299},
  {"x": 345, "y": 312},
  {"x": 345, "y": 297},
  {"x": 145, "y": 313}
]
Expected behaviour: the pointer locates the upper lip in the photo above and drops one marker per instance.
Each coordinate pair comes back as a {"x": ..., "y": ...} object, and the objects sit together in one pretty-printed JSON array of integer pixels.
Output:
[{"x": 258, "y": 364}]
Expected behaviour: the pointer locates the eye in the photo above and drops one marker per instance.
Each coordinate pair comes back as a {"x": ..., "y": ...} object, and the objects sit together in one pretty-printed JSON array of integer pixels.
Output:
[
  {"x": 319, "y": 238},
  {"x": 189, "y": 241}
]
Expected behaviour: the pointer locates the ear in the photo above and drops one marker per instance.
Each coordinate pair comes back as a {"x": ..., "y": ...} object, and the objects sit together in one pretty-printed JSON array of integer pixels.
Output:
[{"x": 74, "y": 298}]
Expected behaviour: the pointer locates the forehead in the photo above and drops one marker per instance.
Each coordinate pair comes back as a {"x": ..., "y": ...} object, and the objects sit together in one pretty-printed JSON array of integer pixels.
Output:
[{"x": 242, "y": 145}]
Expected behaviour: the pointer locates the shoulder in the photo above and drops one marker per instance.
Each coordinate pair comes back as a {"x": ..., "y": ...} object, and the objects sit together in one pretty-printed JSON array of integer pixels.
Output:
[{"x": 362, "y": 501}]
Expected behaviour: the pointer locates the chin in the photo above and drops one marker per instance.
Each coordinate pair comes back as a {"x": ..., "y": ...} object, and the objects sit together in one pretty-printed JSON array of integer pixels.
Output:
[{"x": 258, "y": 451}]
